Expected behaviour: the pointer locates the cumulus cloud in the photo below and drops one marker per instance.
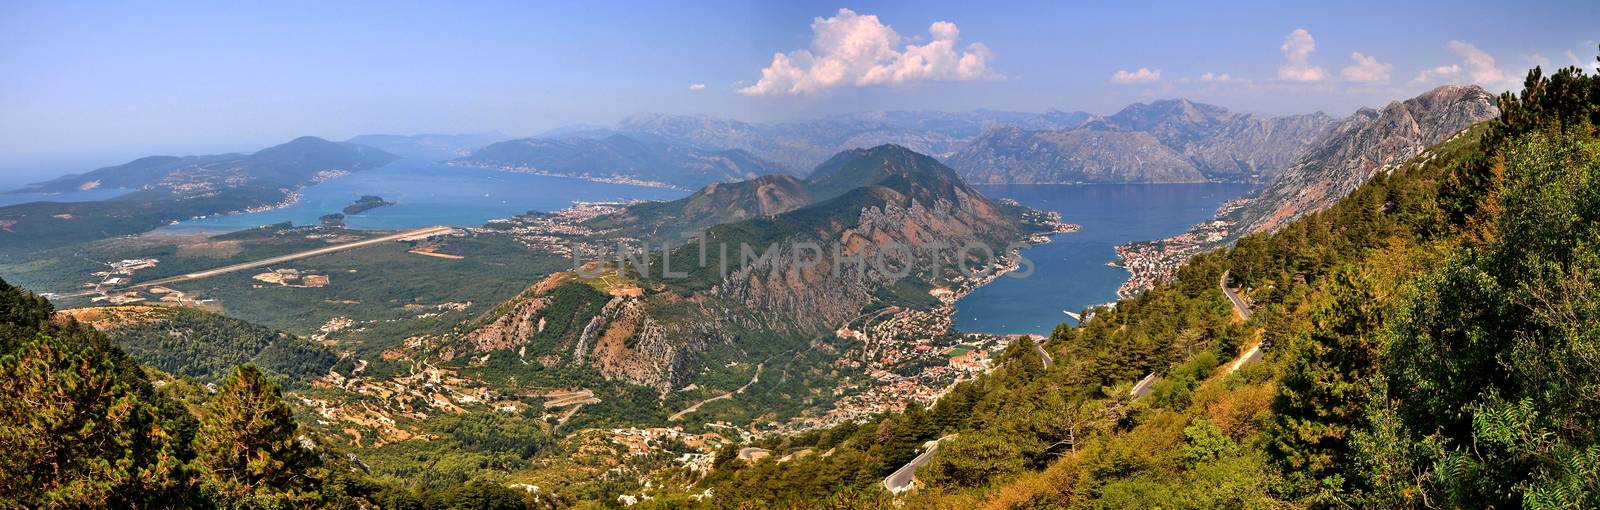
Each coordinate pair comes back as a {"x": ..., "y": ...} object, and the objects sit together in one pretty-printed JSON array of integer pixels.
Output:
[
  {"x": 1478, "y": 63},
  {"x": 1437, "y": 73},
  {"x": 1297, "y": 48},
  {"x": 851, "y": 49},
  {"x": 1476, "y": 66},
  {"x": 1366, "y": 69},
  {"x": 1217, "y": 78},
  {"x": 1140, "y": 76},
  {"x": 697, "y": 86}
]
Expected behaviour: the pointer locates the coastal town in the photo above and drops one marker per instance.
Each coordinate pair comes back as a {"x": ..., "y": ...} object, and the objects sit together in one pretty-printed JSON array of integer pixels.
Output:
[
  {"x": 1149, "y": 262},
  {"x": 563, "y": 232}
]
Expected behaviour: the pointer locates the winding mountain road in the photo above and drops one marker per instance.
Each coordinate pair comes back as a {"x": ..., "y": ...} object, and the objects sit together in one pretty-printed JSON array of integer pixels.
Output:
[
  {"x": 1038, "y": 346},
  {"x": 1239, "y": 305},
  {"x": 902, "y": 479}
]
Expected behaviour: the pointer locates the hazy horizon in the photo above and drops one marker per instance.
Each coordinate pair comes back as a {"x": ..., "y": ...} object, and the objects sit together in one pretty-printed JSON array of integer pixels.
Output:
[{"x": 97, "y": 87}]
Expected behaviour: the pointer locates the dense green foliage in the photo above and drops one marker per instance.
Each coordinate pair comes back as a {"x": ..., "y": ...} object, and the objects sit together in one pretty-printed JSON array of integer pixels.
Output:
[
  {"x": 207, "y": 346},
  {"x": 81, "y": 426},
  {"x": 246, "y": 451}
]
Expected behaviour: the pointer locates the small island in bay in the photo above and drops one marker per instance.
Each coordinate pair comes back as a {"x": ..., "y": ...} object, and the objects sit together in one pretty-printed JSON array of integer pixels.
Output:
[{"x": 366, "y": 203}]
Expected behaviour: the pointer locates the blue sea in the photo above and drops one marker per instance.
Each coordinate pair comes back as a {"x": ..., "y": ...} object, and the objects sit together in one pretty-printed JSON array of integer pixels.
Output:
[
  {"x": 1070, "y": 273},
  {"x": 427, "y": 193}
]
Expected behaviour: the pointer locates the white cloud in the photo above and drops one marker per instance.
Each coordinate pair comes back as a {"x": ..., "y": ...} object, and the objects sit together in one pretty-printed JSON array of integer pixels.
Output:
[
  {"x": 1479, "y": 64},
  {"x": 1366, "y": 69},
  {"x": 1540, "y": 60},
  {"x": 1140, "y": 76},
  {"x": 1445, "y": 72},
  {"x": 1297, "y": 48},
  {"x": 697, "y": 86},
  {"x": 850, "y": 49},
  {"x": 1217, "y": 78}
]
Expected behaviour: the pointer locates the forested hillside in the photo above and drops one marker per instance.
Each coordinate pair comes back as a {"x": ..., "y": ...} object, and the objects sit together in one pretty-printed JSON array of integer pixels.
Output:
[
  {"x": 206, "y": 345},
  {"x": 1430, "y": 343},
  {"x": 82, "y": 425}
]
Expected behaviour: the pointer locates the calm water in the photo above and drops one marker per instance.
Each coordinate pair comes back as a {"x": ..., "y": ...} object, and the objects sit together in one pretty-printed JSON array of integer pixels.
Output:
[
  {"x": 1070, "y": 273},
  {"x": 427, "y": 193}
]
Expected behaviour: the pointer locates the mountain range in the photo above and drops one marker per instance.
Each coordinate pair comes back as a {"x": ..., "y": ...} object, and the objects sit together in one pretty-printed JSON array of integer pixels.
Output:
[
  {"x": 852, "y": 204},
  {"x": 801, "y": 145},
  {"x": 1369, "y": 142},
  {"x": 169, "y": 188},
  {"x": 620, "y": 157},
  {"x": 429, "y": 146},
  {"x": 295, "y": 163},
  {"x": 1164, "y": 141}
]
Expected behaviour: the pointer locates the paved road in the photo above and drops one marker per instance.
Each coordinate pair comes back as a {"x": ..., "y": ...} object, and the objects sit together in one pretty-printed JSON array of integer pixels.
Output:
[
  {"x": 901, "y": 479},
  {"x": 1238, "y": 303},
  {"x": 1144, "y": 386},
  {"x": 276, "y": 260},
  {"x": 1254, "y": 352},
  {"x": 1250, "y": 355},
  {"x": 1038, "y": 345}
]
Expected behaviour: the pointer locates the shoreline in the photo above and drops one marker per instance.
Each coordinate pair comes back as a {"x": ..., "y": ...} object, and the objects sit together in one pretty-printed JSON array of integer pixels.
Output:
[{"x": 625, "y": 181}]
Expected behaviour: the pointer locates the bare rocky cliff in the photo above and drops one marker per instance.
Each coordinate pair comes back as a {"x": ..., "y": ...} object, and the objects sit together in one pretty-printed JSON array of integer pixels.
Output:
[{"x": 1369, "y": 141}]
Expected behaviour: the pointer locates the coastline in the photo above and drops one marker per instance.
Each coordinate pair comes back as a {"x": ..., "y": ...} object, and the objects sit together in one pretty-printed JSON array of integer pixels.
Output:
[{"x": 627, "y": 181}]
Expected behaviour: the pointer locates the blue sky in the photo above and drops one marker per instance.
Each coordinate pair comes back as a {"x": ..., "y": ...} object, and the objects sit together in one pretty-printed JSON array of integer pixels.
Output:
[{"x": 88, "y": 84}]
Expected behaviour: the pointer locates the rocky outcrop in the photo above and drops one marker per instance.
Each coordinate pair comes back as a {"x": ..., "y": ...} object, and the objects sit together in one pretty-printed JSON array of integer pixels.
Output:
[{"x": 1367, "y": 142}]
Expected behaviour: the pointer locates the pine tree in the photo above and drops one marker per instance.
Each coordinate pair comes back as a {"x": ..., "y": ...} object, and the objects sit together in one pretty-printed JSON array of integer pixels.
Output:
[
  {"x": 247, "y": 452},
  {"x": 75, "y": 431}
]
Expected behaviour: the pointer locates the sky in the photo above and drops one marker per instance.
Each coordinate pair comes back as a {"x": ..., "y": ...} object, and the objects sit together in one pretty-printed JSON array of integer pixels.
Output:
[{"x": 88, "y": 84}]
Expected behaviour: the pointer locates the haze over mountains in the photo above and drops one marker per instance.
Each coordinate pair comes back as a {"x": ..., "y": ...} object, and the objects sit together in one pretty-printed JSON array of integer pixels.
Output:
[
  {"x": 1165, "y": 141},
  {"x": 429, "y": 146},
  {"x": 169, "y": 189},
  {"x": 620, "y": 157}
]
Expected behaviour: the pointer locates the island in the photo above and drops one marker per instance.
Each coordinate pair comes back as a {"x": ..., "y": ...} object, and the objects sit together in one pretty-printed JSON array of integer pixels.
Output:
[{"x": 366, "y": 203}]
